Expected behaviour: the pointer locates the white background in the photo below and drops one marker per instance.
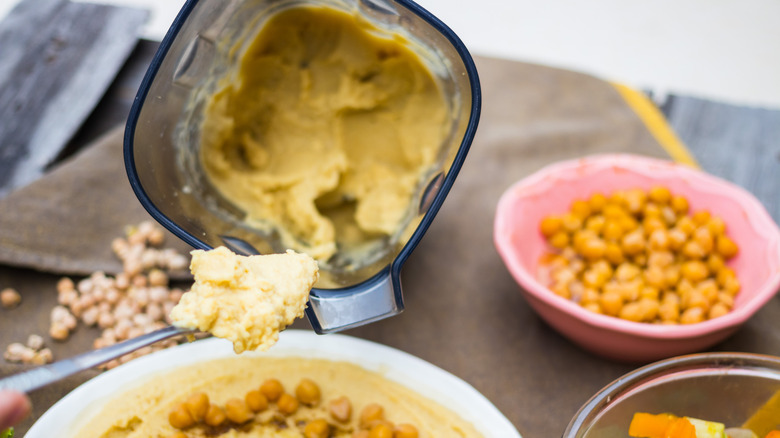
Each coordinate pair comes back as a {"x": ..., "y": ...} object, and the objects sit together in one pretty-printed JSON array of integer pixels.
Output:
[{"x": 726, "y": 50}]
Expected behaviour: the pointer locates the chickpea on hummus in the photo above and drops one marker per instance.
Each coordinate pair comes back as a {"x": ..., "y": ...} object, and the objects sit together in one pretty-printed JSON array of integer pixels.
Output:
[
  {"x": 247, "y": 300},
  {"x": 274, "y": 397}
]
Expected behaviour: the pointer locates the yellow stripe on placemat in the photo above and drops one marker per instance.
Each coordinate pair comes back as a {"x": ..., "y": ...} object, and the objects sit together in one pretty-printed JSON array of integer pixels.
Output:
[{"x": 657, "y": 125}]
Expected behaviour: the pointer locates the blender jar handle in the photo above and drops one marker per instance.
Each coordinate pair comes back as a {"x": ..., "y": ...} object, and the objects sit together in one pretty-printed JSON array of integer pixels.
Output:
[{"x": 339, "y": 309}]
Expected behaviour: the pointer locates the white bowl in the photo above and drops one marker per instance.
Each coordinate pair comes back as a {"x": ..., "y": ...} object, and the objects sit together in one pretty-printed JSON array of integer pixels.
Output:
[{"x": 76, "y": 408}]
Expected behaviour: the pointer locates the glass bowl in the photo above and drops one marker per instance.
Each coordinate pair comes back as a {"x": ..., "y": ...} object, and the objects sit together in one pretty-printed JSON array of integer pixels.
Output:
[{"x": 724, "y": 387}]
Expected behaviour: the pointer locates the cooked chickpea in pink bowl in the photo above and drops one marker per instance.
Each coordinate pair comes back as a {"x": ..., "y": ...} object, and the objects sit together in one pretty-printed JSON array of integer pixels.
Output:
[{"x": 637, "y": 259}]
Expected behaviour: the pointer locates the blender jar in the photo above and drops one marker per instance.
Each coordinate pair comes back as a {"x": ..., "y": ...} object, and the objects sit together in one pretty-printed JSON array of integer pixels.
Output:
[{"x": 162, "y": 140}]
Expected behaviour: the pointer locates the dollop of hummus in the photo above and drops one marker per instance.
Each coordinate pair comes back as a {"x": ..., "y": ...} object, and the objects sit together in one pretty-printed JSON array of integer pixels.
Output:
[
  {"x": 323, "y": 132},
  {"x": 247, "y": 300},
  {"x": 144, "y": 411}
]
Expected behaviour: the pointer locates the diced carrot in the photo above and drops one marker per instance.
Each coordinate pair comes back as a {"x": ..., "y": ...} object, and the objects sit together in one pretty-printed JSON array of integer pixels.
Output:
[
  {"x": 773, "y": 434},
  {"x": 645, "y": 425},
  {"x": 681, "y": 428}
]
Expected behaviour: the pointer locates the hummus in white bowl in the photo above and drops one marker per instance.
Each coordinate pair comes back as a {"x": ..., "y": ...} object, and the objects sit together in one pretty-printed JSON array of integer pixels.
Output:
[{"x": 143, "y": 392}]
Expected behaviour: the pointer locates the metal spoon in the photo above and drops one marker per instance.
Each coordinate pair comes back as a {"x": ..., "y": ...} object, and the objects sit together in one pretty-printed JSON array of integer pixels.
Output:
[{"x": 45, "y": 375}]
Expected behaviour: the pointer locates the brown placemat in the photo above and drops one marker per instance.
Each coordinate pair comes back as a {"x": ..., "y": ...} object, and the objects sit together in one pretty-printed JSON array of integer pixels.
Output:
[
  {"x": 463, "y": 310},
  {"x": 65, "y": 222}
]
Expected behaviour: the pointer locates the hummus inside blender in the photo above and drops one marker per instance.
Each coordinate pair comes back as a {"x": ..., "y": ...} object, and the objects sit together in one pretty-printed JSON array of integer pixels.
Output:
[{"x": 324, "y": 131}]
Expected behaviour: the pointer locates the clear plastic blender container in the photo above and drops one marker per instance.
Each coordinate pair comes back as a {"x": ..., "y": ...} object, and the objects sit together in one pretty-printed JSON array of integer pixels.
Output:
[{"x": 161, "y": 143}]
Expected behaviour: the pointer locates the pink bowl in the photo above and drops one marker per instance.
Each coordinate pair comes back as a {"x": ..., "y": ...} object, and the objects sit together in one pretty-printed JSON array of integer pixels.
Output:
[{"x": 551, "y": 191}]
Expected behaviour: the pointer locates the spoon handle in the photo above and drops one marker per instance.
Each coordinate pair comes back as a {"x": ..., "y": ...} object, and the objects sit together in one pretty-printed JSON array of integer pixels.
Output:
[{"x": 44, "y": 375}]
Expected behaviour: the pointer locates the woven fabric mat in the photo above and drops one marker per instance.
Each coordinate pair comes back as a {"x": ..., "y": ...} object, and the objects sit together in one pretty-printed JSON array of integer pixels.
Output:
[
  {"x": 64, "y": 223},
  {"x": 463, "y": 310}
]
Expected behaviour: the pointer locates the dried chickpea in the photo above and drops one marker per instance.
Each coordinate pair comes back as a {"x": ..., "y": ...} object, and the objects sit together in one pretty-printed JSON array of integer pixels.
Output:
[
  {"x": 318, "y": 428},
  {"x": 197, "y": 405},
  {"x": 360, "y": 433},
  {"x": 179, "y": 435},
  {"x": 370, "y": 413},
  {"x": 237, "y": 411},
  {"x": 308, "y": 392},
  {"x": 340, "y": 409},
  {"x": 180, "y": 417},
  {"x": 10, "y": 298},
  {"x": 272, "y": 389},
  {"x": 612, "y": 230},
  {"x": 405, "y": 431},
  {"x": 287, "y": 404},
  {"x": 215, "y": 416},
  {"x": 256, "y": 401},
  {"x": 381, "y": 430}
]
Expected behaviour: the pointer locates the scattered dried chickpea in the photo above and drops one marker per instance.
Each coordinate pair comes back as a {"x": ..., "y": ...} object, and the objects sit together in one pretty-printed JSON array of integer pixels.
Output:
[
  {"x": 134, "y": 302},
  {"x": 10, "y": 298},
  {"x": 641, "y": 256}
]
